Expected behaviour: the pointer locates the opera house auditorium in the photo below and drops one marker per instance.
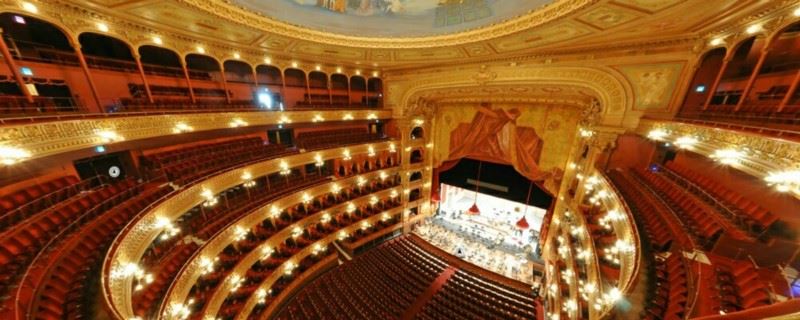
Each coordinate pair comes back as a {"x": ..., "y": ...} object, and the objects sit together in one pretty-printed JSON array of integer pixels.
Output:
[{"x": 400, "y": 159}]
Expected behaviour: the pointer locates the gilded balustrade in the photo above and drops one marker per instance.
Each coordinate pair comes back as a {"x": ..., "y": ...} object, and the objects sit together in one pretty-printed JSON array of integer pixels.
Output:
[
  {"x": 55, "y": 137},
  {"x": 760, "y": 156},
  {"x": 131, "y": 244},
  {"x": 267, "y": 283},
  {"x": 213, "y": 248}
]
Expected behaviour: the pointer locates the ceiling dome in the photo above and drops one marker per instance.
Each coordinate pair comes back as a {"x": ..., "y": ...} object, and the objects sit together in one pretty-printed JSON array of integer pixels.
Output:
[{"x": 391, "y": 18}]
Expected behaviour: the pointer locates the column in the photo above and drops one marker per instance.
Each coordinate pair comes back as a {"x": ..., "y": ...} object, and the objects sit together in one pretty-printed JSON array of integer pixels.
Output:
[
  {"x": 283, "y": 87},
  {"x": 404, "y": 126},
  {"x": 144, "y": 79},
  {"x": 366, "y": 90},
  {"x": 330, "y": 88},
  {"x": 14, "y": 69},
  {"x": 749, "y": 86},
  {"x": 713, "y": 89},
  {"x": 308, "y": 87},
  {"x": 255, "y": 77},
  {"x": 86, "y": 72},
  {"x": 224, "y": 83},
  {"x": 188, "y": 80},
  {"x": 790, "y": 93},
  {"x": 349, "y": 98}
]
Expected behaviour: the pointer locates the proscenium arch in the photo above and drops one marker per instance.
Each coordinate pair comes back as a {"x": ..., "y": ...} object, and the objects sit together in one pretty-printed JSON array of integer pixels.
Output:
[{"x": 612, "y": 90}]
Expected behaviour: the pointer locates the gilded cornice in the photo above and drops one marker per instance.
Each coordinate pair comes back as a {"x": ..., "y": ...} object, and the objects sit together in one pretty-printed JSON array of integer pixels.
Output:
[
  {"x": 131, "y": 244},
  {"x": 50, "y": 138},
  {"x": 763, "y": 154},
  {"x": 610, "y": 88},
  {"x": 538, "y": 17}
]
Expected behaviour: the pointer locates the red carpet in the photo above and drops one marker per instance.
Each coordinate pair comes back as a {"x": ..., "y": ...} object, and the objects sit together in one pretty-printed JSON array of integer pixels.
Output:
[{"x": 423, "y": 298}]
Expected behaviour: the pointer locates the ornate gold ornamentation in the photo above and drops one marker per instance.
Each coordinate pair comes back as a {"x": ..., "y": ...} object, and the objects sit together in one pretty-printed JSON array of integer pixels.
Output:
[
  {"x": 50, "y": 138},
  {"x": 130, "y": 245},
  {"x": 533, "y": 19},
  {"x": 764, "y": 154}
]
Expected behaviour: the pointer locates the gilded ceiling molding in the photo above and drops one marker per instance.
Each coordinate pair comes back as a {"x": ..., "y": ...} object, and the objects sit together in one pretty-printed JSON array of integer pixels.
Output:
[
  {"x": 554, "y": 11},
  {"x": 50, "y": 138},
  {"x": 609, "y": 87},
  {"x": 776, "y": 16},
  {"x": 73, "y": 20}
]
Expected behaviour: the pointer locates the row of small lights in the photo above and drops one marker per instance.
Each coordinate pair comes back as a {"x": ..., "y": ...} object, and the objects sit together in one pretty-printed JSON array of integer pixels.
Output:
[
  {"x": 207, "y": 264},
  {"x": 585, "y": 288},
  {"x": 10, "y": 155},
  {"x": 103, "y": 27},
  {"x": 783, "y": 181},
  {"x": 751, "y": 29},
  {"x": 611, "y": 254},
  {"x": 169, "y": 230}
]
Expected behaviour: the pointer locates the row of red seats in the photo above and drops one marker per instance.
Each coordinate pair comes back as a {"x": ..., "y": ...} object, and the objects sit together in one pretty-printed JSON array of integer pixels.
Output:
[
  {"x": 750, "y": 212},
  {"x": 18, "y": 205},
  {"x": 652, "y": 213},
  {"x": 165, "y": 158},
  {"x": 18, "y": 246},
  {"x": 61, "y": 271},
  {"x": 237, "y": 202},
  {"x": 726, "y": 286},
  {"x": 739, "y": 285},
  {"x": 185, "y": 172},
  {"x": 310, "y": 235},
  {"x": 163, "y": 272},
  {"x": 381, "y": 284},
  {"x": 700, "y": 219},
  {"x": 670, "y": 296},
  {"x": 206, "y": 224},
  {"x": 334, "y": 138},
  {"x": 65, "y": 281}
]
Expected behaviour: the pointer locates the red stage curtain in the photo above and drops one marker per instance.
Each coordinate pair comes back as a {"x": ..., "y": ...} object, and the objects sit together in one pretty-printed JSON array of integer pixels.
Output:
[{"x": 493, "y": 136}]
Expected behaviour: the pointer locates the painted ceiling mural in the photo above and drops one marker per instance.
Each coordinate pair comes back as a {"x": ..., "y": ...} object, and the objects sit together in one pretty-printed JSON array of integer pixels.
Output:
[{"x": 392, "y": 18}]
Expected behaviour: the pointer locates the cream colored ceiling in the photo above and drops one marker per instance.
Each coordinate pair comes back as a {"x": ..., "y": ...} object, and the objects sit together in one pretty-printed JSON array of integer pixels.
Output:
[{"x": 564, "y": 26}]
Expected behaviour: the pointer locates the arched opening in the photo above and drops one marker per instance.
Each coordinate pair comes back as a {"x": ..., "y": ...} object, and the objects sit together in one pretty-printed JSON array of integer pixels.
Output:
[
  {"x": 415, "y": 176},
  {"x": 29, "y": 38},
  {"x": 703, "y": 80},
  {"x": 317, "y": 80},
  {"x": 269, "y": 75},
  {"x": 33, "y": 40},
  {"x": 318, "y": 86},
  {"x": 238, "y": 71},
  {"x": 417, "y": 133},
  {"x": 104, "y": 52},
  {"x": 734, "y": 78},
  {"x": 416, "y": 156},
  {"x": 358, "y": 90},
  {"x": 777, "y": 74},
  {"x": 375, "y": 86},
  {"x": 203, "y": 67},
  {"x": 295, "y": 78},
  {"x": 414, "y": 195},
  {"x": 269, "y": 79},
  {"x": 109, "y": 53},
  {"x": 160, "y": 61},
  {"x": 339, "y": 83},
  {"x": 157, "y": 61},
  {"x": 295, "y": 93}
]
